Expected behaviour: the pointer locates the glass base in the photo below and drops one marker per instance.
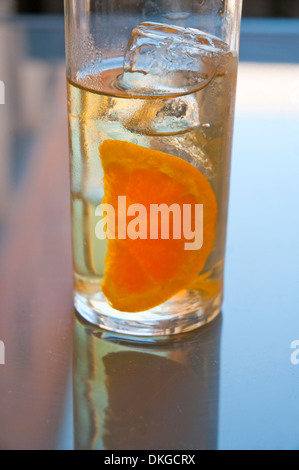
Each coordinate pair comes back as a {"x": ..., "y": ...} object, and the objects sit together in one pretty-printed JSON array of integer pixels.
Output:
[{"x": 158, "y": 322}]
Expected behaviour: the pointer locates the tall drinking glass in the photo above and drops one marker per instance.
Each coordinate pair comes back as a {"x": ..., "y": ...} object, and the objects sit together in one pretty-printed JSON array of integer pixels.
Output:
[{"x": 151, "y": 95}]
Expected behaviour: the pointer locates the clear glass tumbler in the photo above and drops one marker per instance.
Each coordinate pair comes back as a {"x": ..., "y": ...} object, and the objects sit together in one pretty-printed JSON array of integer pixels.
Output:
[{"x": 151, "y": 96}]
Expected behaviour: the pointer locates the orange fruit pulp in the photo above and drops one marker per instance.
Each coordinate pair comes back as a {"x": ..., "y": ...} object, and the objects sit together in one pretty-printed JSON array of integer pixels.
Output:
[{"x": 143, "y": 273}]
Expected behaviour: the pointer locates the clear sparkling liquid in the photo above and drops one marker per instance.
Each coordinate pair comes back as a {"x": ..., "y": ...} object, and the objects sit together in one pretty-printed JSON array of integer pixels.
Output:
[{"x": 196, "y": 127}]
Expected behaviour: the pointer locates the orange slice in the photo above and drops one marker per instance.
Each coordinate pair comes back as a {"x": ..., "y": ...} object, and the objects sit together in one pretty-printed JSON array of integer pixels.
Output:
[{"x": 143, "y": 273}]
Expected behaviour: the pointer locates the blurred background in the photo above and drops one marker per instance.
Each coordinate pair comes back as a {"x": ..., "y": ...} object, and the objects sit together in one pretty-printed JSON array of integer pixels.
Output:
[
  {"x": 254, "y": 8},
  {"x": 258, "y": 382}
]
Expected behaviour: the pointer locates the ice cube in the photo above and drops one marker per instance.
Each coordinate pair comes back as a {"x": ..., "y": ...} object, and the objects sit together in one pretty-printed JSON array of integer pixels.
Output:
[
  {"x": 163, "y": 116},
  {"x": 162, "y": 59}
]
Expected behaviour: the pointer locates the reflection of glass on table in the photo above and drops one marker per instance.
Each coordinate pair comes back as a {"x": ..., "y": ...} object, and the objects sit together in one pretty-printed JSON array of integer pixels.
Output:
[{"x": 131, "y": 396}]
